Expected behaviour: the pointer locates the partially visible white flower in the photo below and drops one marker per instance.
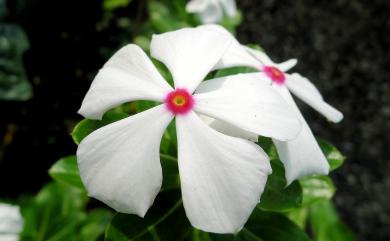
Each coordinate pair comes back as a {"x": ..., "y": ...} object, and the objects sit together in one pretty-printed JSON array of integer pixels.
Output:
[
  {"x": 212, "y": 11},
  {"x": 11, "y": 222},
  {"x": 222, "y": 177},
  {"x": 301, "y": 156}
]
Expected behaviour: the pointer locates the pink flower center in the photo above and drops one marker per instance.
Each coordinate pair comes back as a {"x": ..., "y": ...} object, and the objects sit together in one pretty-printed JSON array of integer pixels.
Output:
[
  {"x": 275, "y": 74},
  {"x": 179, "y": 101}
]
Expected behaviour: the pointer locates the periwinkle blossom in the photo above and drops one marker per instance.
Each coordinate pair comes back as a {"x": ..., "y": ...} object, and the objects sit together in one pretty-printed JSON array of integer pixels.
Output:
[
  {"x": 222, "y": 177},
  {"x": 212, "y": 11},
  {"x": 301, "y": 156},
  {"x": 11, "y": 222}
]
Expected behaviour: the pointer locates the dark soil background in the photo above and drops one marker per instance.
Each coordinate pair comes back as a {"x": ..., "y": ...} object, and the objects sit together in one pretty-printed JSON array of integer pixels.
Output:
[{"x": 342, "y": 46}]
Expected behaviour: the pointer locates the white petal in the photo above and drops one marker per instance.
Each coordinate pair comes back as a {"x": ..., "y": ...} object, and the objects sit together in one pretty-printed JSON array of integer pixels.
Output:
[
  {"x": 212, "y": 13},
  {"x": 260, "y": 56},
  {"x": 301, "y": 156},
  {"x": 222, "y": 177},
  {"x": 196, "y": 6},
  {"x": 11, "y": 220},
  {"x": 265, "y": 60},
  {"x": 9, "y": 237},
  {"x": 120, "y": 164},
  {"x": 308, "y": 93},
  {"x": 236, "y": 55},
  {"x": 230, "y": 7},
  {"x": 248, "y": 102},
  {"x": 287, "y": 65},
  {"x": 189, "y": 54},
  {"x": 129, "y": 75},
  {"x": 209, "y": 11},
  {"x": 298, "y": 81},
  {"x": 229, "y": 129}
]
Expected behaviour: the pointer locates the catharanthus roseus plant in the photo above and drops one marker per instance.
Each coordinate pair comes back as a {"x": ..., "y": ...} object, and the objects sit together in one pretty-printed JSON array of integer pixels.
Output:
[
  {"x": 222, "y": 177},
  {"x": 301, "y": 156},
  {"x": 189, "y": 136}
]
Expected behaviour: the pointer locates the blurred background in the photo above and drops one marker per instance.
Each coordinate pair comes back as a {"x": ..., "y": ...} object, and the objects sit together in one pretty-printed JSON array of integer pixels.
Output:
[{"x": 51, "y": 50}]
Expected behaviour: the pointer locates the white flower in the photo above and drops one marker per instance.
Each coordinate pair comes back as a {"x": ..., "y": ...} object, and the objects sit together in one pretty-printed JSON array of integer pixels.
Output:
[
  {"x": 11, "y": 222},
  {"x": 222, "y": 177},
  {"x": 212, "y": 11},
  {"x": 301, "y": 156}
]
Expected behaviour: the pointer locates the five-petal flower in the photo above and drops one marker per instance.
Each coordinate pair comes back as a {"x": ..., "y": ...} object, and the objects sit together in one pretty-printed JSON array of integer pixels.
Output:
[
  {"x": 301, "y": 156},
  {"x": 222, "y": 177},
  {"x": 212, "y": 11}
]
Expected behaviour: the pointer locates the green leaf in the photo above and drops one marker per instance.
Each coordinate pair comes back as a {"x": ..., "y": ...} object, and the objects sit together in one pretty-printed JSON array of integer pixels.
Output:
[
  {"x": 171, "y": 179},
  {"x": 234, "y": 71},
  {"x": 165, "y": 221},
  {"x": 198, "y": 235},
  {"x": 231, "y": 23},
  {"x": 277, "y": 195},
  {"x": 268, "y": 146},
  {"x": 86, "y": 126},
  {"x": 334, "y": 156},
  {"x": 299, "y": 217},
  {"x": 266, "y": 226},
  {"x": 95, "y": 224},
  {"x": 54, "y": 214},
  {"x": 163, "y": 71},
  {"x": 317, "y": 188},
  {"x": 14, "y": 84},
  {"x": 142, "y": 105},
  {"x": 143, "y": 42},
  {"x": 66, "y": 171},
  {"x": 326, "y": 225},
  {"x": 169, "y": 140},
  {"x": 110, "y": 5},
  {"x": 163, "y": 17}
]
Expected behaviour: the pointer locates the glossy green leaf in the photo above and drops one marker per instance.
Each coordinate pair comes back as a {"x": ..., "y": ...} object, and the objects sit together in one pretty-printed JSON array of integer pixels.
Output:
[
  {"x": 268, "y": 146},
  {"x": 86, "y": 126},
  {"x": 143, "y": 105},
  {"x": 198, "y": 235},
  {"x": 234, "y": 71},
  {"x": 265, "y": 226},
  {"x": 165, "y": 221},
  {"x": 299, "y": 216},
  {"x": 317, "y": 188},
  {"x": 164, "y": 18},
  {"x": 231, "y": 23},
  {"x": 277, "y": 196},
  {"x": 66, "y": 171},
  {"x": 114, "y": 4},
  {"x": 143, "y": 42},
  {"x": 94, "y": 226},
  {"x": 169, "y": 140},
  {"x": 326, "y": 225},
  {"x": 334, "y": 156},
  {"x": 58, "y": 213},
  {"x": 55, "y": 213},
  {"x": 171, "y": 179},
  {"x": 163, "y": 71}
]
